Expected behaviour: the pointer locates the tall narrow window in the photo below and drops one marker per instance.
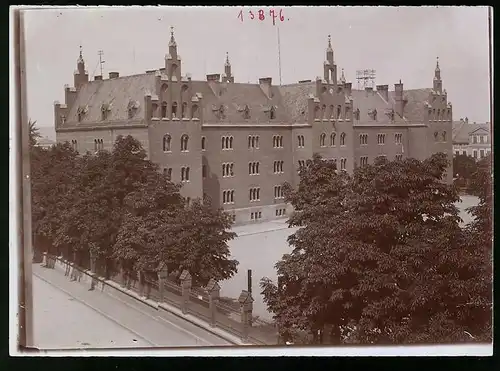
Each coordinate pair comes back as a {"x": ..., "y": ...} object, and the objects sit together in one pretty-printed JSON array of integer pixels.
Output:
[
  {"x": 231, "y": 142},
  {"x": 322, "y": 139},
  {"x": 184, "y": 109},
  {"x": 443, "y": 135},
  {"x": 342, "y": 139},
  {"x": 174, "y": 110},
  {"x": 332, "y": 139},
  {"x": 339, "y": 111},
  {"x": 203, "y": 143},
  {"x": 164, "y": 110},
  {"x": 204, "y": 171},
  {"x": 184, "y": 143}
]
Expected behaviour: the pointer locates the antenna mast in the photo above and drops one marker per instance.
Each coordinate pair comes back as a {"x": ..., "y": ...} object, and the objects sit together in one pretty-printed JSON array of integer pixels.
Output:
[
  {"x": 101, "y": 61},
  {"x": 366, "y": 78},
  {"x": 279, "y": 53}
]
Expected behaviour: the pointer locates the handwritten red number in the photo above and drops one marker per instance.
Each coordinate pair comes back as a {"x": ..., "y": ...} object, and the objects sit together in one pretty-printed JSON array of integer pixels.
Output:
[
  {"x": 282, "y": 17},
  {"x": 261, "y": 15},
  {"x": 251, "y": 14},
  {"x": 240, "y": 15},
  {"x": 271, "y": 14}
]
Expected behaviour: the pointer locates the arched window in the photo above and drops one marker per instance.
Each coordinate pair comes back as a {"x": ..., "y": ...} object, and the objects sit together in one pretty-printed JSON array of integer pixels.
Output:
[
  {"x": 184, "y": 143},
  {"x": 438, "y": 114},
  {"x": 164, "y": 110},
  {"x": 227, "y": 143},
  {"x": 272, "y": 113},
  {"x": 316, "y": 112},
  {"x": 174, "y": 110},
  {"x": 322, "y": 138},
  {"x": 187, "y": 174},
  {"x": 173, "y": 69},
  {"x": 436, "y": 136},
  {"x": 253, "y": 142},
  {"x": 194, "y": 111},
  {"x": 154, "y": 110},
  {"x": 323, "y": 111},
  {"x": 444, "y": 136},
  {"x": 249, "y": 168},
  {"x": 332, "y": 139},
  {"x": 164, "y": 88},
  {"x": 184, "y": 109},
  {"x": 203, "y": 143},
  {"x": 167, "y": 139},
  {"x": 249, "y": 141},
  {"x": 231, "y": 142},
  {"x": 339, "y": 111},
  {"x": 332, "y": 111},
  {"x": 342, "y": 139}
]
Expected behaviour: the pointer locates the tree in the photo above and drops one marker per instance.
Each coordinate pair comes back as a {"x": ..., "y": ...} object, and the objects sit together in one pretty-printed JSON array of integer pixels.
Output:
[
  {"x": 376, "y": 257},
  {"x": 34, "y": 133},
  {"x": 53, "y": 173},
  {"x": 463, "y": 169}
]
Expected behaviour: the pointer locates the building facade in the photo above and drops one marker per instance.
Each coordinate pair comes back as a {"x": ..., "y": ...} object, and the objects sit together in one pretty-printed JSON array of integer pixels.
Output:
[
  {"x": 238, "y": 143},
  {"x": 471, "y": 139}
]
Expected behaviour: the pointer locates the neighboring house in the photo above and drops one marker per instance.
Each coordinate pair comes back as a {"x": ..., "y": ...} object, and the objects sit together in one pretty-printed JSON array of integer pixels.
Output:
[
  {"x": 471, "y": 139},
  {"x": 239, "y": 142},
  {"x": 44, "y": 142}
]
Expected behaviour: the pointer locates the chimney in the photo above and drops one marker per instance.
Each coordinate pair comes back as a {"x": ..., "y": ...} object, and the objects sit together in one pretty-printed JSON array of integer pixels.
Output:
[
  {"x": 214, "y": 83},
  {"x": 97, "y": 78},
  {"x": 383, "y": 90},
  {"x": 369, "y": 90},
  {"x": 266, "y": 85},
  {"x": 348, "y": 88},
  {"x": 163, "y": 69},
  {"x": 398, "y": 97},
  {"x": 114, "y": 75}
]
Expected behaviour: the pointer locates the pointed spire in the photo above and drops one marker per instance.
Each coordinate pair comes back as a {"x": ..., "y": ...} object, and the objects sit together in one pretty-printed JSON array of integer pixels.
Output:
[
  {"x": 172, "y": 39},
  {"x": 227, "y": 64},
  {"x": 80, "y": 57},
  {"x": 329, "y": 48},
  {"x": 342, "y": 77},
  {"x": 437, "y": 64}
]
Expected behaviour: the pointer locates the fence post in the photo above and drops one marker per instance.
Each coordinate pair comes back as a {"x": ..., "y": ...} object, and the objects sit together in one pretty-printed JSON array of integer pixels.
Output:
[
  {"x": 213, "y": 289},
  {"x": 92, "y": 269},
  {"x": 186, "y": 289},
  {"x": 44, "y": 260},
  {"x": 141, "y": 282},
  {"x": 162, "y": 276},
  {"x": 246, "y": 305},
  {"x": 73, "y": 265}
]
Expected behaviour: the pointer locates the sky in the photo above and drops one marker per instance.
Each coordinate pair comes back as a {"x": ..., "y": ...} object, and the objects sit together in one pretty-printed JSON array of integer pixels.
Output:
[{"x": 398, "y": 42}]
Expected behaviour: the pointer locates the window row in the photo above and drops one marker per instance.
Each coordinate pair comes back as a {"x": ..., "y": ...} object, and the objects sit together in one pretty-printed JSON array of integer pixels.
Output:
[
  {"x": 439, "y": 114},
  {"x": 227, "y": 142},
  {"x": 184, "y": 174},
  {"x": 363, "y": 138},
  {"x": 253, "y": 168},
  {"x": 98, "y": 145},
  {"x": 278, "y": 167},
  {"x": 254, "y": 194},
  {"x": 380, "y": 138},
  {"x": 333, "y": 136},
  {"x": 253, "y": 141},
  {"x": 479, "y": 139},
  {"x": 278, "y": 192},
  {"x": 167, "y": 143},
  {"x": 301, "y": 141},
  {"x": 280, "y": 212},
  {"x": 174, "y": 110},
  {"x": 278, "y": 141},
  {"x": 440, "y": 137},
  {"x": 227, "y": 169},
  {"x": 331, "y": 112},
  {"x": 255, "y": 215},
  {"x": 228, "y": 197}
]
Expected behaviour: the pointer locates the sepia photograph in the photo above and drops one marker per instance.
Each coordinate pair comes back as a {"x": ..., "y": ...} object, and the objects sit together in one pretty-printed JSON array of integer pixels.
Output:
[{"x": 248, "y": 177}]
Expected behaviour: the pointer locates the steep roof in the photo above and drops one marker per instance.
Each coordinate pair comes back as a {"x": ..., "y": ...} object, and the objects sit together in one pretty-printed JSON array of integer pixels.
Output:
[
  {"x": 234, "y": 97},
  {"x": 294, "y": 98},
  {"x": 462, "y": 130},
  {"x": 415, "y": 107},
  {"x": 118, "y": 92}
]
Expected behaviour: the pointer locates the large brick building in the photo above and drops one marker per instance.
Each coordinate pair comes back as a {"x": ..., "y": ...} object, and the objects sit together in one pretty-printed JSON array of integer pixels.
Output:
[{"x": 239, "y": 142}]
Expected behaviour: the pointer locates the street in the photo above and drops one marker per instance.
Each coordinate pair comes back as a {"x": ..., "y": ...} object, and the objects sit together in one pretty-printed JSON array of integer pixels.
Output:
[{"x": 67, "y": 315}]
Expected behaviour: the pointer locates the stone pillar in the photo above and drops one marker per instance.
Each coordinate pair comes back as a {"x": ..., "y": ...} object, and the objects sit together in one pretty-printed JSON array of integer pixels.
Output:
[
  {"x": 213, "y": 290},
  {"x": 246, "y": 305},
  {"x": 162, "y": 277},
  {"x": 186, "y": 289}
]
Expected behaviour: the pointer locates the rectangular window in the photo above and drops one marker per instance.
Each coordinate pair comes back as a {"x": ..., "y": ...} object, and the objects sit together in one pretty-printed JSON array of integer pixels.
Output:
[
  {"x": 399, "y": 157},
  {"x": 363, "y": 161},
  {"x": 464, "y": 153},
  {"x": 475, "y": 154},
  {"x": 474, "y": 139},
  {"x": 481, "y": 153},
  {"x": 457, "y": 153}
]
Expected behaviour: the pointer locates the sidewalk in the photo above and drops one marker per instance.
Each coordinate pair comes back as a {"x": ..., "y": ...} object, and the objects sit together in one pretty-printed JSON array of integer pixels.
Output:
[{"x": 158, "y": 328}]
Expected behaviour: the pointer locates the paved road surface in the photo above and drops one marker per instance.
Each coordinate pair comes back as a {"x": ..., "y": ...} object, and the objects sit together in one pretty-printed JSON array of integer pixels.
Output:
[{"x": 68, "y": 315}]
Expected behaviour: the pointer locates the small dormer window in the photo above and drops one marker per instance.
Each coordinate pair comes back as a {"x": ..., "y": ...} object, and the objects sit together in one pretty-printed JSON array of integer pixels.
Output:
[
  {"x": 436, "y": 136},
  {"x": 220, "y": 112},
  {"x": 246, "y": 112},
  {"x": 132, "y": 108},
  {"x": 81, "y": 112},
  {"x": 272, "y": 113},
  {"x": 105, "y": 109},
  {"x": 373, "y": 114},
  {"x": 356, "y": 114}
]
